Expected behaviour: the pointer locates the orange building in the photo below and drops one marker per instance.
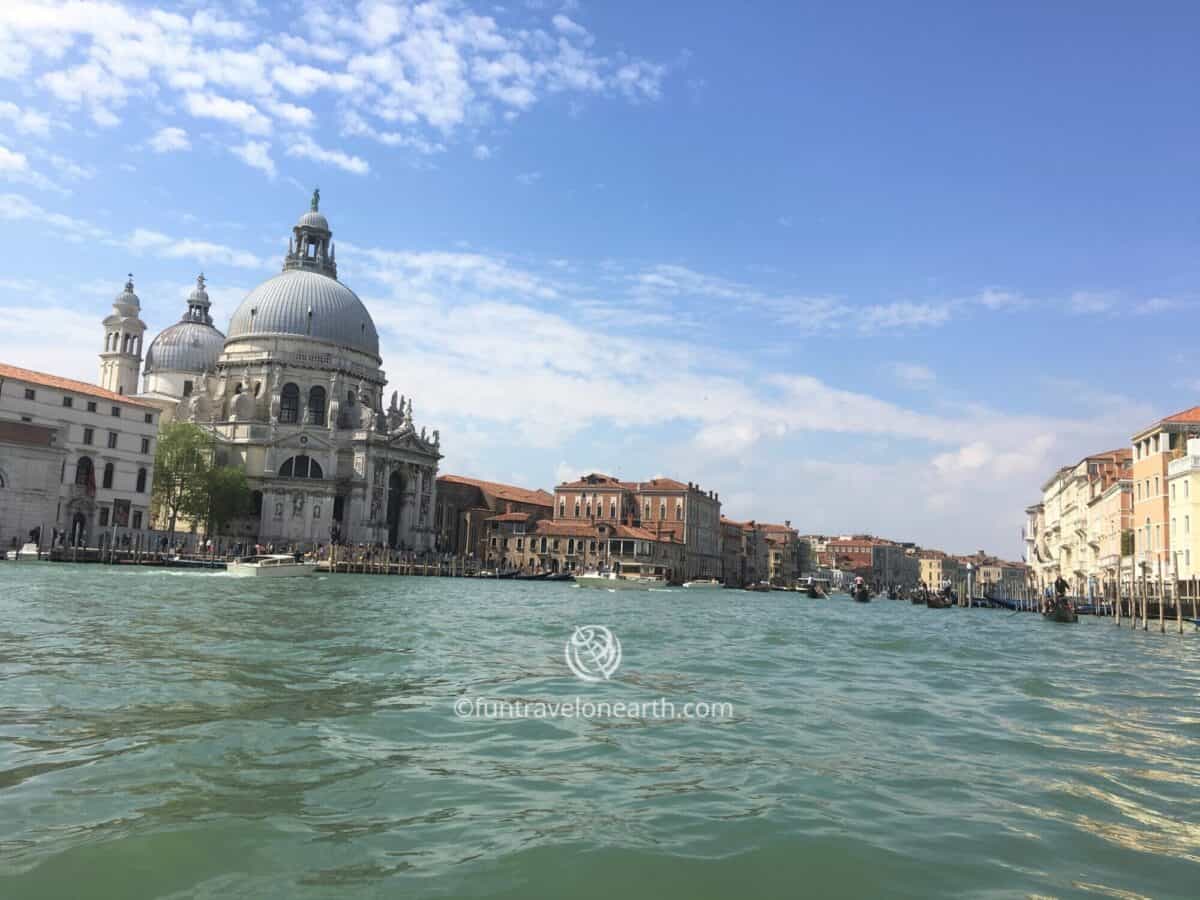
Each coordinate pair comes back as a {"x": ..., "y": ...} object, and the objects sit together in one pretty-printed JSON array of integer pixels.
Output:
[{"x": 1153, "y": 449}]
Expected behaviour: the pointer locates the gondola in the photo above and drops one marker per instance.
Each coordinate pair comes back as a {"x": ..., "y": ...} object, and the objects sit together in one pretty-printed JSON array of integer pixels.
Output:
[
  {"x": 1060, "y": 611},
  {"x": 560, "y": 576},
  {"x": 815, "y": 593},
  {"x": 536, "y": 576},
  {"x": 936, "y": 602},
  {"x": 861, "y": 594},
  {"x": 917, "y": 598},
  {"x": 892, "y": 595}
]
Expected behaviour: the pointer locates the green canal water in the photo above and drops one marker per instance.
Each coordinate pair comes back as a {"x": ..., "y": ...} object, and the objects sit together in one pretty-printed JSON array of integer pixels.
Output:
[{"x": 168, "y": 734}]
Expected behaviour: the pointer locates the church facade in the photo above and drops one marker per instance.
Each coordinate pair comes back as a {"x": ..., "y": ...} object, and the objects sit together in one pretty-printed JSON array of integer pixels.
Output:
[{"x": 294, "y": 395}]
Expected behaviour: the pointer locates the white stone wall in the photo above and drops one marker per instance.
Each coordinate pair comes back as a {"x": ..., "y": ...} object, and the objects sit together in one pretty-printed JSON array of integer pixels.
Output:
[{"x": 28, "y": 491}]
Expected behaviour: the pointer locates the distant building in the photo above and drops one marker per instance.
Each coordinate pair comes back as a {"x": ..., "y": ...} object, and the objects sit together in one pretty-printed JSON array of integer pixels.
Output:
[
  {"x": 936, "y": 568},
  {"x": 893, "y": 566},
  {"x": 671, "y": 511},
  {"x": 853, "y": 555},
  {"x": 103, "y": 446},
  {"x": 464, "y": 506},
  {"x": 787, "y": 553}
]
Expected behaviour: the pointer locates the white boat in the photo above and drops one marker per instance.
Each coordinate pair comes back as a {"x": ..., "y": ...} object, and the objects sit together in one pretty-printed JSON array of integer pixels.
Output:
[
  {"x": 615, "y": 582},
  {"x": 703, "y": 584},
  {"x": 275, "y": 565},
  {"x": 27, "y": 552}
]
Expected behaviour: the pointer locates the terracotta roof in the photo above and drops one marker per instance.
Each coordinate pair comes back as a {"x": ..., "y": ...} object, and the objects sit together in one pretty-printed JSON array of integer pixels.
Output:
[
  {"x": 1187, "y": 415},
  {"x": 68, "y": 384},
  {"x": 778, "y": 529},
  {"x": 504, "y": 491},
  {"x": 658, "y": 484},
  {"x": 644, "y": 534},
  {"x": 558, "y": 528},
  {"x": 600, "y": 480},
  {"x": 510, "y": 517},
  {"x": 1183, "y": 417}
]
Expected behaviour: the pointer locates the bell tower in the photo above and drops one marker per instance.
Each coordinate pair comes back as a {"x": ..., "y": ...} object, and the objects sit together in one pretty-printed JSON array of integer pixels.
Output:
[{"x": 121, "y": 359}]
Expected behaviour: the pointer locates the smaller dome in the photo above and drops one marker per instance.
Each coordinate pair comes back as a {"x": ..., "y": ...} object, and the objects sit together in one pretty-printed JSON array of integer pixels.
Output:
[
  {"x": 314, "y": 220},
  {"x": 127, "y": 303},
  {"x": 185, "y": 347}
]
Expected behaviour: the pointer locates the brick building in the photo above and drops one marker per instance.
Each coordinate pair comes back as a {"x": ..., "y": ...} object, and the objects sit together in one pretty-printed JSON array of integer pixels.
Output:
[{"x": 464, "y": 506}]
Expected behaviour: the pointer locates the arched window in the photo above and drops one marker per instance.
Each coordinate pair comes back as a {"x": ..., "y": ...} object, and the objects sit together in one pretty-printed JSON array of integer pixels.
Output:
[
  {"x": 678, "y": 511},
  {"x": 662, "y": 509},
  {"x": 316, "y": 405},
  {"x": 84, "y": 472},
  {"x": 647, "y": 507},
  {"x": 256, "y": 501},
  {"x": 289, "y": 404},
  {"x": 562, "y": 509},
  {"x": 141, "y": 481},
  {"x": 301, "y": 467},
  {"x": 577, "y": 509},
  {"x": 612, "y": 509},
  {"x": 108, "y": 475}
]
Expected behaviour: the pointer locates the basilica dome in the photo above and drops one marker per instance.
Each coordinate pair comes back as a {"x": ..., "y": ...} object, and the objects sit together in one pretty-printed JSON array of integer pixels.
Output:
[
  {"x": 306, "y": 300},
  {"x": 190, "y": 345}
]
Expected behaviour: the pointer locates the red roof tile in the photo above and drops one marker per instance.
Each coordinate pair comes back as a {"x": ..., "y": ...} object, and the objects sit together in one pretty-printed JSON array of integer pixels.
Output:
[
  {"x": 504, "y": 491},
  {"x": 67, "y": 384},
  {"x": 509, "y": 517}
]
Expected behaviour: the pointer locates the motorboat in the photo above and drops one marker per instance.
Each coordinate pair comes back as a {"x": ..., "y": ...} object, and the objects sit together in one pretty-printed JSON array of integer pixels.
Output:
[
  {"x": 703, "y": 584},
  {"x": 27, "y": 552},
  {"x": 614, "y": 581},
  {"x": 274, "y": 565}
]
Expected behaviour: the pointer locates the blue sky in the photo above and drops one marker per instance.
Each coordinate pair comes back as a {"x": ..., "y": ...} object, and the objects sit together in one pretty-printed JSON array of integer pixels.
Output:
[{"x": 861, "y": 266}]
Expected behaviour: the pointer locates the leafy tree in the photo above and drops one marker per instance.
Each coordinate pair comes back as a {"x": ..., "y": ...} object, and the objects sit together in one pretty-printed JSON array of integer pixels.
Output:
[
  {"x": 181, "y": 466},
  {"x": 227, "y": 494}
]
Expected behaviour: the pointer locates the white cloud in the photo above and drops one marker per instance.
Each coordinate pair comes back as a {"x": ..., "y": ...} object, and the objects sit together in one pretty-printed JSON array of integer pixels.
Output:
[
  {"x": 256, "y": 154},
  {"x": 1088, "y": 302},
  {"x": 167, "y": 140},
  {"x": 147, "y": 240},
  {"x": 304, "y": 146},
  {"x": 414, "y": 72},
  {"x": 353, "y": 125},
  {"x": 235, "y": 112},
  {"x": 482, "y": 151},
  {"x": 14, "y": 167},
  {"x": 26, "y": 121},
  {"x": 528, "y": 178},
  {"x": 567, "y": 26}
]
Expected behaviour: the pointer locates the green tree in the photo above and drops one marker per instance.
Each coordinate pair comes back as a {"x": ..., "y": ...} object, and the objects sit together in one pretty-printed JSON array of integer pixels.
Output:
[
  {"x": 227, "y": 494},
  {"x": 181, "y": 466}
]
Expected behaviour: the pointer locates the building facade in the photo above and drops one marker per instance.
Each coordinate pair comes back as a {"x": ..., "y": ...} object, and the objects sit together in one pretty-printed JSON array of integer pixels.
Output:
[
  {"x": 31, "y": 463},
  {"x": 1183, "y": 503},
  {"x": 1154, "y": 447},
  {"x": 671, "y": 511},
  {"x": 104, "y": 445}
]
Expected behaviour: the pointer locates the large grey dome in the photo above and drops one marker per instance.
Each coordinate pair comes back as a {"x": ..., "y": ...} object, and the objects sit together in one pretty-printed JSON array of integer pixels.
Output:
[
  {"x": 185, "y": 347},
  {"x": 308, "y": 304}
]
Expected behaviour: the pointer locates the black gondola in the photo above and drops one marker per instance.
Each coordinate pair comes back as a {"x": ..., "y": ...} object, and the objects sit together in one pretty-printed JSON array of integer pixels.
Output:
[
  {"x": 1060, "y": 611},
  {"x": 862, "y": 594}
]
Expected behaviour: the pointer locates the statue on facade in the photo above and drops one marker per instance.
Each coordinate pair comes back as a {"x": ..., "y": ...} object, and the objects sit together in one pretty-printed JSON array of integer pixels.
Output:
[{"x": 437, "y": 438}]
